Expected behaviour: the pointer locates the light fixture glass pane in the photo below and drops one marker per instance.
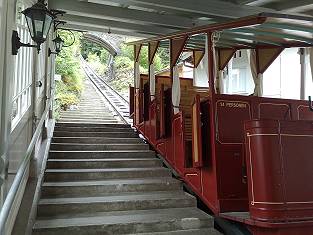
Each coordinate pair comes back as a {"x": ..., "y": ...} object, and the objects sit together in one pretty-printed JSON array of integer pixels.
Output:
[
  {"x": 38, "y": 28},
  {"x": 47, "y": 26},
  {"x": 30, "y": 26}
]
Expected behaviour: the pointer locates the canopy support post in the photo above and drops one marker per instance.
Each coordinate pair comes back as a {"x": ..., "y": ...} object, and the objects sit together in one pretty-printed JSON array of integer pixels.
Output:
[
  {"x": 176, "y": 47},
  {"x": 152, "y": 49},
  {"x": 303, "y": 72},
  {"x": 137, "y": 108},
  {"x": 211, "y": 64}
]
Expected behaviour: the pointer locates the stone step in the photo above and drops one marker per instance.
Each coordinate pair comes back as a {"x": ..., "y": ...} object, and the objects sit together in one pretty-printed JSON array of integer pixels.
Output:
[
  {"x": 96, "y": 140},
  {"x": 83, "y": 128},
  {"x": 102, "y": 163},
  {"x": 102, "y": 154},
  {"x": 93, "y": 108},
  {"x": 121, "y": 202},
  {"x": 106, "y": 187},
  {"x": 201, "y": 231},
  {"x": 87, "y": 116},
  {"x": 95, "y": 102},
  {"x": 97, "y": 147},
  {"x": 122, "y": 134},
  {"x": 91, "y": 105},
  {"x": 108, "y": 173},
  {"x": 73, "y": 124},
  {"x": 125, "y": 222},
  {"x": 93, "y": 111},
  {"x": 91, "y": 120}
]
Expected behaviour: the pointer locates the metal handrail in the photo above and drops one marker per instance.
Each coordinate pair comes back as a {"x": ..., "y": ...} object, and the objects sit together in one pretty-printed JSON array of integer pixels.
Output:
[{"x": 11, "y": 196}]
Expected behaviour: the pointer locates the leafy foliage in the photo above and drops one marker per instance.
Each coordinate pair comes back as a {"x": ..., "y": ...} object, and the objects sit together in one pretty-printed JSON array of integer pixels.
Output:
[
  {"x": 123, "y": 63},
  {"x": 69, "y": 89}
]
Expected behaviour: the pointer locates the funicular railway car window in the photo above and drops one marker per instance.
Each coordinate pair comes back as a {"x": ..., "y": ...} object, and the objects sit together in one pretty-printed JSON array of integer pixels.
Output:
[{"x": 23, "y": 71}]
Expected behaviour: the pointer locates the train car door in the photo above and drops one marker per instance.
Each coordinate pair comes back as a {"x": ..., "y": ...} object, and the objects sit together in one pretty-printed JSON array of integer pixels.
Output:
[
  {"x": 196, "y": 133},
  {"x": 178, "y": 143},
  {"x": 161, "y": 115}
]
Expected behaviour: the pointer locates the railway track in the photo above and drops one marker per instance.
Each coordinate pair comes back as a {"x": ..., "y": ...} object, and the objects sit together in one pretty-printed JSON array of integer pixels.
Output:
[{"x": 117, "y": 102}]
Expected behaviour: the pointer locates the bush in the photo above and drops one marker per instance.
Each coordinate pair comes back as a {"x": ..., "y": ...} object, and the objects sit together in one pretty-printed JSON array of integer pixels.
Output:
[
  {"x": 67, "y": 99},
  {"x": 69, "y": 89}
]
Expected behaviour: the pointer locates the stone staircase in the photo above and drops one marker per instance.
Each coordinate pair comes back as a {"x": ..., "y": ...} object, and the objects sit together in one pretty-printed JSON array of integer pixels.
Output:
[
  {"x": 91, "y": 109},
  {"x": 103, "y": 179}
]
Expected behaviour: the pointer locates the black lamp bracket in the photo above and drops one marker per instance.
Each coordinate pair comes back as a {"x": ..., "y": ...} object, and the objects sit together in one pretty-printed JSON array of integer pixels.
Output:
[
  {"x": 310, "y": 103},
  {"x": 57, "y": 23},
  {"x": 56, "y": 12},
  {"x": 17, "y": 44},
  {"x": 51, "y": 52},
  {"x": 73, "y": 36}
]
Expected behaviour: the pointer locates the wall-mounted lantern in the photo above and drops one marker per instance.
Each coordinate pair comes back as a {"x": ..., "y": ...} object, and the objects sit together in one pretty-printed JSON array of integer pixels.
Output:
[
  {"x": 58, "y": 44},
  {"x": 39, "y": 20}
]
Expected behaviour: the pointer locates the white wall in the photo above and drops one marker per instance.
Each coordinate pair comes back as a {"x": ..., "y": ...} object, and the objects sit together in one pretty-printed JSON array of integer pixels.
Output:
[
  {"x": 282, "y": 79},
  {"x": 240, "y": 81},
  {"x": 308, "y": 77},
  {"x": 201, "y": 73},
  {"x": 15, "y": 138}
]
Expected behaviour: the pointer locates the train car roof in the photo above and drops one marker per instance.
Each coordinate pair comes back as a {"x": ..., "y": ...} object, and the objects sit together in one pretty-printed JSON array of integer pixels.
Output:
[{"x": 264, "y": 29}]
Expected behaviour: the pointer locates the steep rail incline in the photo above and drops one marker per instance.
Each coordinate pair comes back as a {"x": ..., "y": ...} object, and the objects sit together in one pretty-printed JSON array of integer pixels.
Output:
[{"x": 117, "y": 102}]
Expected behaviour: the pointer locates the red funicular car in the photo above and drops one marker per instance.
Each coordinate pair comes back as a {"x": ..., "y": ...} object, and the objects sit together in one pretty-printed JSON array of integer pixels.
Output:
[{"x": 248, "y": 158}]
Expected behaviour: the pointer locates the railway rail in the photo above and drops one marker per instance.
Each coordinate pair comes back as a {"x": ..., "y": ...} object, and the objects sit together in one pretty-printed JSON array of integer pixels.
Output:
[{"x": 117, "y": 102}]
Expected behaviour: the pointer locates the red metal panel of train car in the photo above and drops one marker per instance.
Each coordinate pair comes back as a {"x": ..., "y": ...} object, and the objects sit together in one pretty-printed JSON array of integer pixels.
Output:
[{"x": 279, "y": 163}]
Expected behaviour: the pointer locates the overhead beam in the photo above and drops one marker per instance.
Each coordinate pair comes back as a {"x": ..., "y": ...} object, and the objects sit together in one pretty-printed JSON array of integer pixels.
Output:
[
  {"x": 212, "y": 8},
  {"x": 244, "y": 37},
  {"x": 294, "y": 6},
  {"x": 122, "y": 26},
  {"x": 83, "y": 28},
  {"x": 193, "y": 15},
  {"x": 274, "y": 34},
  {"x": 99, "y": 11},
  {"x": 254, "y": 2}
]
